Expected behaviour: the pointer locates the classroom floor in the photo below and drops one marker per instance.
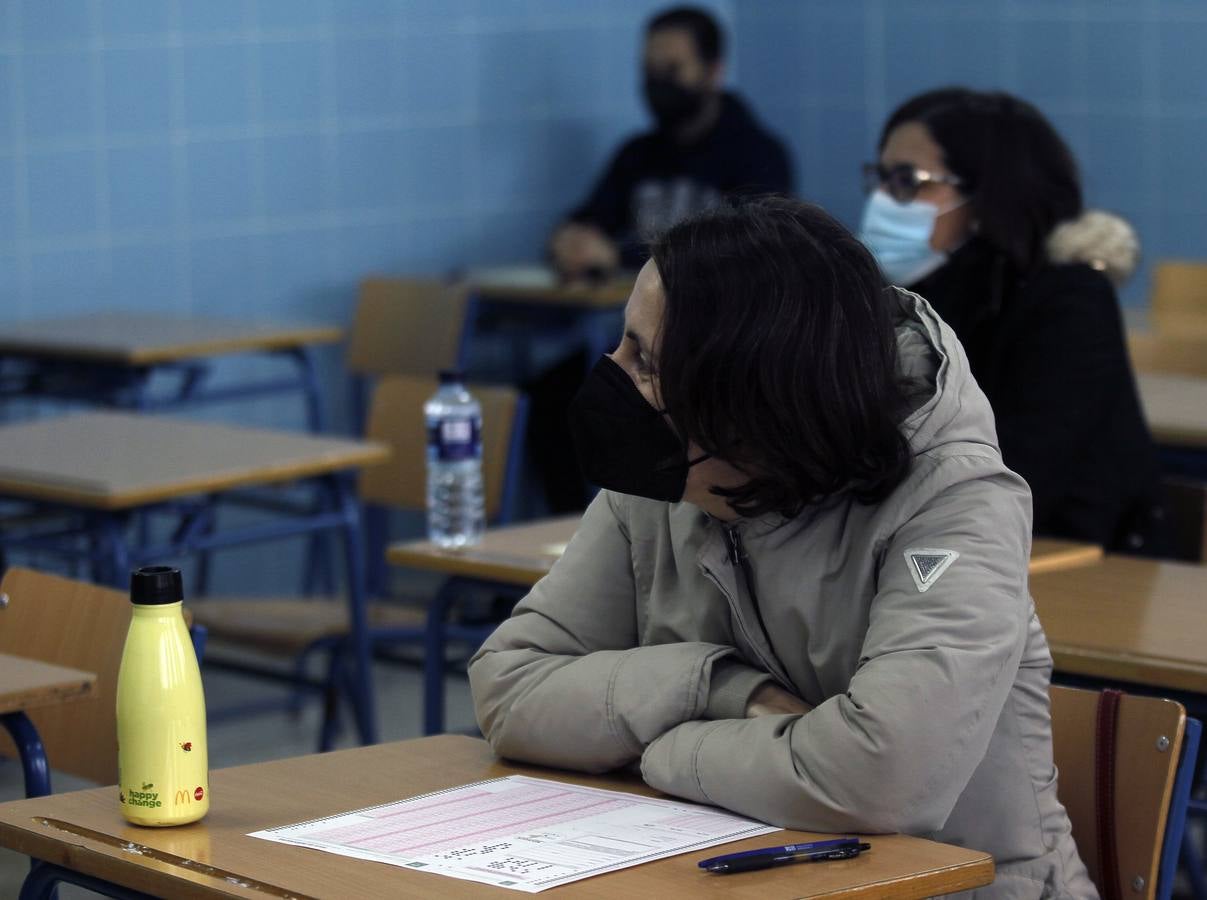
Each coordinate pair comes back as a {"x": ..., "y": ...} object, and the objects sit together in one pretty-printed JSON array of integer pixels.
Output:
[{"x": 267, "y": 736}]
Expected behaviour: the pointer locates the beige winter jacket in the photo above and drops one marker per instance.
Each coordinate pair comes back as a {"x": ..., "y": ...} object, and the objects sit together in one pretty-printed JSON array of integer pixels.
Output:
[{"x": 907, "y": 624}]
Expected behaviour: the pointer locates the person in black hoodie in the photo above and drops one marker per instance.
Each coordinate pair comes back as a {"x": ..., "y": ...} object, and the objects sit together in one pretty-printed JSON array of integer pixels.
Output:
[
  {"x": 705, "y": 144},
  {"x": 975, "y": 203}
]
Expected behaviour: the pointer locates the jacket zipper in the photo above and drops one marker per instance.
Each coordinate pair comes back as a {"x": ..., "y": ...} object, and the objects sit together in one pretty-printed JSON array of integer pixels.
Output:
[{"x": 741, "y": 562}]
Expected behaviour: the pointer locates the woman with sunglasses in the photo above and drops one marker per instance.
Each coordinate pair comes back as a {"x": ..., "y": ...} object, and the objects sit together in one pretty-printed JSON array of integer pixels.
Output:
[
  {"x": 802, "y": 593},
  {"x": 975, "y": 204}
]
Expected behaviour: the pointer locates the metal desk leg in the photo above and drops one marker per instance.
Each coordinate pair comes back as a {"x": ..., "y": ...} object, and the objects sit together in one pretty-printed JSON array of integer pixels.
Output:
[
  {"x": 433, "y": 656},
  {"x": 110, "y": 555},
  {"x": 316, "y": 416},
  {"x": 317, "y": 568},
  {"x": 377, "y": 535},
  {"x": 359, "y": 641},
  {"x": 31, "y": 751}
]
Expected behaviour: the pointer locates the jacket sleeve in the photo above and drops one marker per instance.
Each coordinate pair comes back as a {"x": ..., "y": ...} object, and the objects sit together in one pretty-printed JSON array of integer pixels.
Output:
[
  {"x": 563, "y": 682},
  {"x": 895, "y": 751},
  {"x": 1064, "y": 373}
]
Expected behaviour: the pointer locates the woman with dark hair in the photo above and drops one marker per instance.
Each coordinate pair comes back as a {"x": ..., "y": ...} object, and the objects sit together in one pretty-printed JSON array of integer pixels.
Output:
[
  {"x": 802, "y": 593},
  {"x": 976, "y": 205}
]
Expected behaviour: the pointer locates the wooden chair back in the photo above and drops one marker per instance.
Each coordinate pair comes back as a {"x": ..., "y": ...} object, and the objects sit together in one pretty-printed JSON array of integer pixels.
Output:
[
  {"x": 82, "y": 626},
  {"x": 396, "y": 418},
  {"x": 406, "y": 326},
  {"x": 1148, "y": 747},
  {"x": 1179, "y": 294},
  {"x": 1159, "y": 353}
]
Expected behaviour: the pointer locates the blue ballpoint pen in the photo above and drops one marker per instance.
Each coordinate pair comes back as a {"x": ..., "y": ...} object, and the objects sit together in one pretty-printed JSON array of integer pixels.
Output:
[{"x": 766, "y": 857}]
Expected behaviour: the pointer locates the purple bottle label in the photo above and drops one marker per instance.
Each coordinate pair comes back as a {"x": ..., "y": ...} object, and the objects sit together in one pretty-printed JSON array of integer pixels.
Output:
[{"x": 454, "y": 440}]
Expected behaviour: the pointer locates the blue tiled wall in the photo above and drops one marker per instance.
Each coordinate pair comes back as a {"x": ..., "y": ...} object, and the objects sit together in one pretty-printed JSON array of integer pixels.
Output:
[
  {"x": 1125, "y": 82},
  {"x": 257, "y": 157}
]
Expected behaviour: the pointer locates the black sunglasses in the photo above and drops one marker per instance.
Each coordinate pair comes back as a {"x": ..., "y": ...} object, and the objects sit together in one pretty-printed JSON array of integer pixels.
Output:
[{"x": 901, "y": 182}]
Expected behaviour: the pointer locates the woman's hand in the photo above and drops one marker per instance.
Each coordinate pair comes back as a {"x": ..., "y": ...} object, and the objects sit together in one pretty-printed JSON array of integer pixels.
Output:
[{"x": 772, "y": 700}]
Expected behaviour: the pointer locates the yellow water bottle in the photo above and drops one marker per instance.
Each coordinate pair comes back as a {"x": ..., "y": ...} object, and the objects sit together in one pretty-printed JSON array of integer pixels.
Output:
[{"x": 163, "y": 772}]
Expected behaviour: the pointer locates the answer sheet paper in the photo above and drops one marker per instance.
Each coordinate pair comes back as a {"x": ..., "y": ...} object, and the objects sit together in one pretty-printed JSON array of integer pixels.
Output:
[{"x": 527, "y": 834}]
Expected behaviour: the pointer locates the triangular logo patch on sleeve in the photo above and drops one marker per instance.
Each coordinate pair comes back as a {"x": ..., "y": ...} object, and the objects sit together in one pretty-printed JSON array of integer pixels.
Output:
[{"x": 926, "y": 564}]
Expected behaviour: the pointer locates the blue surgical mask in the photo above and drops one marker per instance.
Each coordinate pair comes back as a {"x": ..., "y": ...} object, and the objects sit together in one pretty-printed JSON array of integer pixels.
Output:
[{"x": 898, "y": 234}]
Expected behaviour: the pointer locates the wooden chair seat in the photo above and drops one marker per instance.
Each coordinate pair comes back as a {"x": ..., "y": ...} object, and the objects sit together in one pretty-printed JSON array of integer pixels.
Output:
[{"x": 289, "y": 625}]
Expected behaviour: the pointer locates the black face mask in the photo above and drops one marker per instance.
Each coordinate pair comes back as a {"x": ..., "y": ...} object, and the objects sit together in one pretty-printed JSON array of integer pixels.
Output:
[
  {"x": 671, "y": 103},
  {"x": 623, "y": 443}
]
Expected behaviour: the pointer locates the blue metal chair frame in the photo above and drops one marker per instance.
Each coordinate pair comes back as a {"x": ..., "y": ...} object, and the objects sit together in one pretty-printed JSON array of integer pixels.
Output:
[{"x": 1177, "y": 839}]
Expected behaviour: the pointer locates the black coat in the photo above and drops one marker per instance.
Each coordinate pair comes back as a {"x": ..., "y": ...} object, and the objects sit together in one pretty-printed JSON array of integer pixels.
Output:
[{"x": 1050, "y": 353}]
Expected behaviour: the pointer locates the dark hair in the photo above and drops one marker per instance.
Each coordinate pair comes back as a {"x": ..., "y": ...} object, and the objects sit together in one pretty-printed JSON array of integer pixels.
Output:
[
  {"x": 705, "y": 31},
  {"x": 1019, "y": 176},
  {"x": 778, "y": 353}
]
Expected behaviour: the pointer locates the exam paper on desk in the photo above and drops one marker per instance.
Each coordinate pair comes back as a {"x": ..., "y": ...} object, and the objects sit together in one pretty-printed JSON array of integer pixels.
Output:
[{"x": 523, "y": 833}]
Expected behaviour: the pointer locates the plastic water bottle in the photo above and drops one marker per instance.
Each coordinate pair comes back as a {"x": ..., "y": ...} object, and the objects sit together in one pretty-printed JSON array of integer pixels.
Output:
[
  {"x": 456, "y": 512},
  {"x": 163, "y": 770}
]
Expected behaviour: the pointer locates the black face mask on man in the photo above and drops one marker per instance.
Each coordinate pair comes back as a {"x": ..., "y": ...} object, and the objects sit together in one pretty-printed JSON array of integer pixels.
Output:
[
  {"x": 671, "y": 103},
  {"x": 624, "y": 444}
]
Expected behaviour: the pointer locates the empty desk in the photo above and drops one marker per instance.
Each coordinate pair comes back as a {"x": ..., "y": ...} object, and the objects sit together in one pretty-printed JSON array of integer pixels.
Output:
[
  {"x": 110, "y": 358},
  {"x": 1128, "y": 619},
  {"x": 101, "y": 468}
]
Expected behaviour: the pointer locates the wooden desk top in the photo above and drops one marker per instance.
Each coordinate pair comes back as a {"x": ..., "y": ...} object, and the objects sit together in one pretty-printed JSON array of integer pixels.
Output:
[
  {"x": 30, "y": 683},
  {"x": 515, "y": 554},
  {"x": 84, "y": 831},
  {"x": 1128, "y": 619},
  {"x": 110, "y": 460},
  {"x": 523, "y": 554},
  {"x": 1053, "y": 555},
  {"x": 1176, "y": 409},
  {"x": 541, "y": 285},
  {"x": 127, "y": 338}
]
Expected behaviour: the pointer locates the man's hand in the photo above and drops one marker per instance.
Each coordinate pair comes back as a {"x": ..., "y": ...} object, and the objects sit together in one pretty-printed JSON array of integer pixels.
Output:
[
  {"x": 772, "y": 700},
  {"x": 578, "y": 249}
]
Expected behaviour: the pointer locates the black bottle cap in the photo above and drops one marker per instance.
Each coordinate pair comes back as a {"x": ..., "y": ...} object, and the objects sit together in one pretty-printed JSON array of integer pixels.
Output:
[
  {"x": 451, "y": 376},
  {"x": 156, "y": 585}
]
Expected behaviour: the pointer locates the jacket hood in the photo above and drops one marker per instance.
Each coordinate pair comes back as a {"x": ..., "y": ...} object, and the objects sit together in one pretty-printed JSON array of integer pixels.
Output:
[
  {"x": 1099, "y": 239},
  {"x": 946, "y": 404}
]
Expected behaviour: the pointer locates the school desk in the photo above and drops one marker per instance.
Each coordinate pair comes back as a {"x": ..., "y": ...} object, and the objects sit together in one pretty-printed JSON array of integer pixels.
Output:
[
  {"x": 1128, "y": 619},
  {"x": 110, "y": 358},
  {"x": 100, "y": 470},
  {"x": 81, "y": 835}
]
